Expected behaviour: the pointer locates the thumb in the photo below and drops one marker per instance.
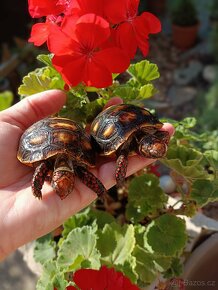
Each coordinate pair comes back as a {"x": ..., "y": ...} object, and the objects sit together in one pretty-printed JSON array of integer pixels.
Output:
[{"x": 34, "y": 108}]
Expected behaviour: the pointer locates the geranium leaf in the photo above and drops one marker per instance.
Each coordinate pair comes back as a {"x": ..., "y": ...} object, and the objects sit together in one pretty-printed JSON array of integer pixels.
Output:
[
  {"x": 6, "y": 99},
  {"x": 127, "y": 93},
  {"x": 144, "y": 265},
  {"x": 165, "y": 235},
  {"x": 45, "y": 58},
  {"x": 119, "y": 245},
  {"x": 147, "y": 91},
  {"x": 145, "y": 197},
  {"x": 204, "y": 191},
  {"x": 101, "y": 217},
  {"x": 51, "y": 277},
  {"x": 40, "y": 80},
  {"x": 144, "y": 71},
  {"x": 44, "y": 249},
  {"x": 79, "y": 247},
  {"x": 185, "y": 161},
  {"x": 78, "y": 220},
  {"x": 128, "y": 269},
  {"x": 175, "y": 269}
]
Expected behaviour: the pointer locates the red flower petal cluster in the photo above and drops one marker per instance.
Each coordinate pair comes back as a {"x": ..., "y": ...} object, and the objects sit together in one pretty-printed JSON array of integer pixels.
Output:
[
  {"x": 91, "y": 40},
  {"x": 102, "y": 279}
]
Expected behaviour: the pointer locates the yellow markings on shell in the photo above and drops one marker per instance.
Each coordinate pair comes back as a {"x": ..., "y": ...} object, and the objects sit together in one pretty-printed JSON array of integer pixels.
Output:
[
  {"x": 96, "y": 126},
  {"x": 64, "y": 137},
  {"x": 63, "y": 125},
  {"x": 108, "y": 131},
  {"x": 37, "y": 140},
  {"x": 127, "y": 117}
]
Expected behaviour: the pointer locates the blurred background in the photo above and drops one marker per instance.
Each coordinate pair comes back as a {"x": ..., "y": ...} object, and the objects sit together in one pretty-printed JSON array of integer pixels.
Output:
[{"x": 187, "y": 87}]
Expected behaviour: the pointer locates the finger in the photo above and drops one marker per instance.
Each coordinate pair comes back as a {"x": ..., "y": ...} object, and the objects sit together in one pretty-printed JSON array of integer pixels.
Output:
[
  {"x": 113, "y": 101},
  {"x": 34, "y": 108}
]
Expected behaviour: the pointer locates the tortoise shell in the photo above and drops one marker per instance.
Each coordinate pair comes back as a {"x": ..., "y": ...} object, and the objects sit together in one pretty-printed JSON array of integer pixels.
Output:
[
  {"x": 51, "y": 136},
  {"x": 115, "y": 125}
]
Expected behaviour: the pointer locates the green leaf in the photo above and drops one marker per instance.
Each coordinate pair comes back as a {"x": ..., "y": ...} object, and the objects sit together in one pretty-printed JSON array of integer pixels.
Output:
[
  {"x": 144, "y": 265},
  {"x": 78, "y": 220},
  {"x": 166, "y": 235},
  {"x": 51, "y": 277},
  {"x": 145, "y": 197},
  {"x": 120, "y": 245},
  {"x": 126, "y": 92},
  {"x": 6, "y": 99},
  {"x": 147, "y": 91},
  {"x": 45, "y": 249},
  {"x": 128, "y": 269},
  {"x": 45, "y": 58},
  {"x": 204, "y": 191},
  {"x": 40, "y": 80},
  {"x": 185, "y": 161},
  {"x": 144, "y": 71},
  {"x": 75, "y": 105},
  {"x": 79, "y": 250},
  {"x": 175, "y": 270},
  {"x": 101, "y": 218}
]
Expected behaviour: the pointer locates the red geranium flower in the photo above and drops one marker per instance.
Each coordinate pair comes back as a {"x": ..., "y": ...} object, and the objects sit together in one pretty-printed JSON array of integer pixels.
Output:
[
  {"x": 41, "y": 31},
  {"x": 40, "y": 8},
  {"x": 79, "y": 53},
  {"x": 102, "y": 279},
  {"x": 133, "y": 30}
]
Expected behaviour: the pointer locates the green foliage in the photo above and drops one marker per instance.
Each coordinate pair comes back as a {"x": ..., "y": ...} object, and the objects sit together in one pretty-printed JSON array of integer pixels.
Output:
[
  {"x": 184, "y": 13},
  {"x": 172, "y": 229},
  {"x": 6, "y": 99},
  {"x": 145, "y": 198},
  {"x": 151, "y": 238},
  {"x": 79, "y": 249},
  {"x": 44, "y": 249}
]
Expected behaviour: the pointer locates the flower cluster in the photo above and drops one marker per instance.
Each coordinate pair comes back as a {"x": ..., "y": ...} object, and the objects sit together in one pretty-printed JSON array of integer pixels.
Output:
[
  {"x": 91, "y": 40},
  {"x": 104, "y": 278}
]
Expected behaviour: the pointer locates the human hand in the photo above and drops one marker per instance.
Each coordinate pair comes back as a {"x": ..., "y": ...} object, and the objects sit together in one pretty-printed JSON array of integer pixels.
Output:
[{"x": 23, "y": 218}]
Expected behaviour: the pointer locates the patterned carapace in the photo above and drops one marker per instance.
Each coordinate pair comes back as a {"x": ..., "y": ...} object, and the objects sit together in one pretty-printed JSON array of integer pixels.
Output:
[
  {"x": 125, "y": 128},
  {"x": 60, "y": 148}
]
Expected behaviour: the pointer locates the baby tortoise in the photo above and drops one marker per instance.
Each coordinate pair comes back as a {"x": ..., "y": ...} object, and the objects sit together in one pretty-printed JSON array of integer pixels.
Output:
[
  {"x": 124, "y": 128},
  {"x": 60, "y": 149}
]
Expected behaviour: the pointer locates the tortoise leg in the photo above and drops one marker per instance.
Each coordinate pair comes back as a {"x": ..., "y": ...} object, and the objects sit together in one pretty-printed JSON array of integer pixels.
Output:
[
  {"x": 63, "y": 176},
  {"x": 121, "y": 167},
  {"x": 38, "y": 179},
  {"x": 91, "y": 181}
]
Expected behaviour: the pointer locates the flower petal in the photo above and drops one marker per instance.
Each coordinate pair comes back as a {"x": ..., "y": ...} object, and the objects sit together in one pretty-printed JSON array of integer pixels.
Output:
[
  {"x": 114, "y": 59},
  {"x": 115, "y": 11},
  {"x": 59, "y": 43},
  {"x": 39, "y": 33},
  {"x": 70, "y": 67},
  {"x": 125, "y": 39},
  {"x": 92, "y": 30},
  {"x": 40, "y": 8},
  {"x": 144, "y": 25}
]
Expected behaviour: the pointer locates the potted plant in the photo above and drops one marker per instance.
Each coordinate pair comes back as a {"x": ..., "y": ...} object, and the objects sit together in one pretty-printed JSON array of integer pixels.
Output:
[{"x": 185, "y": 24}]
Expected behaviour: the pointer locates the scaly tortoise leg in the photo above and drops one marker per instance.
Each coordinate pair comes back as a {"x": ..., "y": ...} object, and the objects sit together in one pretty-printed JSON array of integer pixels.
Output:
[
  {"x": 38, "y": 179},
  {"x": 91, "y": 181},
  {"x": 121, "y": 168}
]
